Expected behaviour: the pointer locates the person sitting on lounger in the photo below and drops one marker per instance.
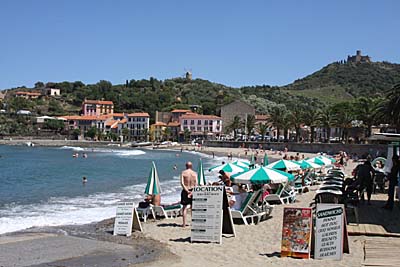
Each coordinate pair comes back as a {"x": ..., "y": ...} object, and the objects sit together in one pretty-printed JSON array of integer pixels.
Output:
[
  {"x": 239, "y": 194},
  {"x": 154, "y": 200}
]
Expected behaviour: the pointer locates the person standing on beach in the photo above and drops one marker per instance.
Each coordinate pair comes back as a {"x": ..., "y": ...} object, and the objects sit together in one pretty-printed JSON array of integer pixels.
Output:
[
  {"x": 393, "y": 180},
  {"x": 365, "y": 174},
  {"x": 188, "y": 182}
]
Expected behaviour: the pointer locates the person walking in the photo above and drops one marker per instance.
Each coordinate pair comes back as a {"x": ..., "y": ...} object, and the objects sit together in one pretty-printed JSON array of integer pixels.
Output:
[
  {"x": 365, "y": 174},
  {"x": 188, "y": 182},
  {"x": 393, "y": 180}
]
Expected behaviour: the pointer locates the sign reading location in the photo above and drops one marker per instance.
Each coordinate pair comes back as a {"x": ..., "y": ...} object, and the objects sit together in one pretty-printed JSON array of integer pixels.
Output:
[
  {"x": 329, "y": 231},
  {"x": 208, "y": 212}
]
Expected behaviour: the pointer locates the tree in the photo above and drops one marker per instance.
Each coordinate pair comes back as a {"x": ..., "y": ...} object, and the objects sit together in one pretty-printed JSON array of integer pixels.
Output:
[
  {"x": 166, "y": 133},
  {"x": 235, "y": 126},
  {"x": 250, "y": 124},
  {"x": 76, "y": 133},
  {"x": 145, "y": 134},
  {"x": 344, "y": 115},
  {"x": 39, "y": 85},
  {"x": 327, "y": 120},
  {"x": 125, "y": 133},
  {"x": 262, "y": 130},
  {"x": 389, "y": 110},
  {"x": 312, "y": 119},
  {"x": 55, "y": 125},
  {"x": 366, "y": 111},
  {"x": 186, "y": 134},
  {"x": 277, "y": 118},
  {"x": 91, "y": 133},
  {"x": 296, "y": 118}
]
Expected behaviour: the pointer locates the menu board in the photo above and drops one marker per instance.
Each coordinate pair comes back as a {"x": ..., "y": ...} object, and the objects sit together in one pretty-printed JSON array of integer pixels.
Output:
[
  {"x": 126, "y": 219},
  {"x": 296, "y": 232},
  {"x": 329, "y": 231},
  {"x": 207, "y": 214}
]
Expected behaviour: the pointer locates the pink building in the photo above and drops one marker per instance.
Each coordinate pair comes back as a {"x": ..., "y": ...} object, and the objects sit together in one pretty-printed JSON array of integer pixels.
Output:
[
  {"x": 97, "y": 107},
  {"x": 200, "y": 125}
]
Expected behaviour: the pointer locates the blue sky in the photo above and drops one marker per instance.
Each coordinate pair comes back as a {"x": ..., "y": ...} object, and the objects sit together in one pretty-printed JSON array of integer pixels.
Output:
[{"x": 236, "y": 43}]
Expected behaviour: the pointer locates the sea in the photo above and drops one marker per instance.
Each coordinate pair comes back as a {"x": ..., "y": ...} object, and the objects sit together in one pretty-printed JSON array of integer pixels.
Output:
[{"x": 42, "y": 186}]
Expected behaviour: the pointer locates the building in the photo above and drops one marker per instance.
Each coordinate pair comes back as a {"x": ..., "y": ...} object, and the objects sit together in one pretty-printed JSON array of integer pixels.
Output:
[
  {"x": 52, "y": 92},
  {"x": 2, "y": 96},
  {"x": 157, "y": 130},
  {"x": 358, "y": 58},
  {"x": 138, "y": 125},
  {"x": 97, "y": 107},
  {"x": 28, "y": 95},
  {"x": 236, "y": 108},
  {"x": 202, "y": 126}
]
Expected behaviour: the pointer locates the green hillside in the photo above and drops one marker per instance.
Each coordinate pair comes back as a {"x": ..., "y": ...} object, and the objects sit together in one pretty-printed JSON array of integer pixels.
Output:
[{"x": 343, "y": 81}]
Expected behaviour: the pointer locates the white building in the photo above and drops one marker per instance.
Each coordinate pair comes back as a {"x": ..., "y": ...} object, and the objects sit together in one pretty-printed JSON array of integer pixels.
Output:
[{"x": 138, "y": 124}]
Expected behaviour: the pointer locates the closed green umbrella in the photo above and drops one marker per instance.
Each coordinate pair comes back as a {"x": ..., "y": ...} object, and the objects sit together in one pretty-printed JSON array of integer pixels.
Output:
[
  {"x": 201, "y": 178},
  {"x": 153, "y": 182},
  {"x": 266, "y": 161}
]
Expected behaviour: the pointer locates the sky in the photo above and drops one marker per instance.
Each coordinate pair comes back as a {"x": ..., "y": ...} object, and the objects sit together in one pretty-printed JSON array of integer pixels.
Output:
[{"x": 236, "y": 43}]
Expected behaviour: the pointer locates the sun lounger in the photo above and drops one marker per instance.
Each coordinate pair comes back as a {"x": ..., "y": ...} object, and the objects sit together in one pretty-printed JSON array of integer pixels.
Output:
[
  {"x": 168, "y": 211},
  {"x": 282, "y": 196},
  {"x": 249, "y": 209},
  {"x": 143, "y": 213}
]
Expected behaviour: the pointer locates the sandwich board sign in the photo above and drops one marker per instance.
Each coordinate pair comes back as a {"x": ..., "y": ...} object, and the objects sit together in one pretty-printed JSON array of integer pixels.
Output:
[
  {"x": 211, "y": 216},
  {"x": 126, "y": 219},
  {"x": 296, "y": 232},
  {"x": 330, "y": 231}
]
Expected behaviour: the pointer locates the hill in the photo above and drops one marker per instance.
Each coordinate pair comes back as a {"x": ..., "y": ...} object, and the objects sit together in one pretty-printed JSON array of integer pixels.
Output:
[{"x": 344, "y": 81}]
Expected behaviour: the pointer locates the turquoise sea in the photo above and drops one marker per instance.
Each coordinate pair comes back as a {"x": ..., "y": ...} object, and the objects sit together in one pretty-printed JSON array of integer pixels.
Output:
[{"x": 42, "y": 186}]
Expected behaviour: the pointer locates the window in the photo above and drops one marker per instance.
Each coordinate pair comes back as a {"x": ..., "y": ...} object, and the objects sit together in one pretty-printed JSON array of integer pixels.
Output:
[
  {"x": 199, "y": 129},
  {"x": 192, "y": 122},
  {"x": 184, "y": 122},
  {"x": 198, "y": 122},
  {"x": 192, "y": 128}
]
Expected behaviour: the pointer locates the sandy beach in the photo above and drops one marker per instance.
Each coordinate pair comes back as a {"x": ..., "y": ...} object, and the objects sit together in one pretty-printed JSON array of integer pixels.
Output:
[{"x": 165, "y": 243}]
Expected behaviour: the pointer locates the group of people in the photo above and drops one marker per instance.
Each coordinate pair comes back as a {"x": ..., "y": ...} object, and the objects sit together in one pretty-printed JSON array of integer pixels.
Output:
[{"x": 365, "y": 175}]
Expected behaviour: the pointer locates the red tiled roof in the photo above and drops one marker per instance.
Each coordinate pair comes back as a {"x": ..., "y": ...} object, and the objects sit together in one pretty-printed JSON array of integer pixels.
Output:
[
  {"x": 139, "y": 114},
  {"x": 262, "y": 117},
  {"x": 173, "y": 124},
  {"x": 118, "y": 114},
  {"x": 200, "y": 117},
  {"x": 28, "y": 93},
  {"x": 100, "y": 102},
  {"x": 123, "y": 121},
  {"x": 180, "y": 110},
  {"x": 110, "y": 122},
  {"x": 159, "y": 123},
  {"x": 86, "y": 118}
]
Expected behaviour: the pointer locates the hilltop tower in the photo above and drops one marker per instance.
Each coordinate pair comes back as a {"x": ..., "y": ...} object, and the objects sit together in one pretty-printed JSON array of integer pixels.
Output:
[
  {"x": 358, "y": 58},
  {"x": 188, "y": 75}
]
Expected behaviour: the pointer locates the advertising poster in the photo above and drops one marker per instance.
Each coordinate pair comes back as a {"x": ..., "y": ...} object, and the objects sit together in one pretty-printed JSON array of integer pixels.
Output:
[
  {"x": 296, "y": 233},
  {"x": 207, "y": 214},
  {"x": 329, "y": 231},
  {"x": 126, "y": 219}
]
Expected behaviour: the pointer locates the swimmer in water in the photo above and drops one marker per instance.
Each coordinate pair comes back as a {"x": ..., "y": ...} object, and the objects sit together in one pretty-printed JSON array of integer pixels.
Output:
[
  {"x": 84, "y": 180},
  {"x": 175, "y": 167}
]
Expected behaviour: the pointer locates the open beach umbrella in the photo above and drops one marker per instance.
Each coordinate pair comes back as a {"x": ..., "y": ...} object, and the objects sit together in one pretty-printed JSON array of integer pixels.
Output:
[
  {"x": 153, "y": 183},
  {"x": 284, "y": 165},
  {"x": 201, "y": 178},
  {"x": 308, "y": 164},
  {"x": 265, "y": 161},
  {"x": 241, "y": 163},
  {"x": 318, "y": 161},
  {"x": 324, "y": 158},
  {"x": 263, "y": 175},
  {"x": 228, "y": 167}
]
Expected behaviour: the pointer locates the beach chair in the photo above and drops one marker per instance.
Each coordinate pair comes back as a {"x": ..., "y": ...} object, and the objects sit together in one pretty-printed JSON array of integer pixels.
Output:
[
  {"x": 249, "y": 209},
  {"x": 168, "y": 211},
  {"x": 143, "y": 213},
  {"x": 283, "y": 195},
  {"x": 299, "y": 187}
]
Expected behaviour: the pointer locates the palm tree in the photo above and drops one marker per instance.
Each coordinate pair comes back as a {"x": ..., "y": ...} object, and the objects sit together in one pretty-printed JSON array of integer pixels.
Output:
[
  {"x": 166, "y": 133},
  {"x": 262, "y": 129},
  {"x": 366, "y": 111},
  {"x": 277, "y": 118},
  {"x": 312, "y": 119},
  {"x": 186, "y": 134},
  {"x": 235, "y": 126},
  {"x": 296, "y": 118},
  {"x": 343, "y": 121},
  {"x": 327, "y": 120},
  {"x": 250, "y": 124},
  {"x": 389, "y": 110}
]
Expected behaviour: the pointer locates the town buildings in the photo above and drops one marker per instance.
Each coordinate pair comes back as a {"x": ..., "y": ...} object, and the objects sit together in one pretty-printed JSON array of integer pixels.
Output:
[
  {"x": 97, "y": 107},
  {"x": 236, "y": 108}
]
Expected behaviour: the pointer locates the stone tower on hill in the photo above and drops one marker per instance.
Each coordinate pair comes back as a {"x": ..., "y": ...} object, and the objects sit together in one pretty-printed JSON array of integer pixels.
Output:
[{"x": 358, "y": 58}]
